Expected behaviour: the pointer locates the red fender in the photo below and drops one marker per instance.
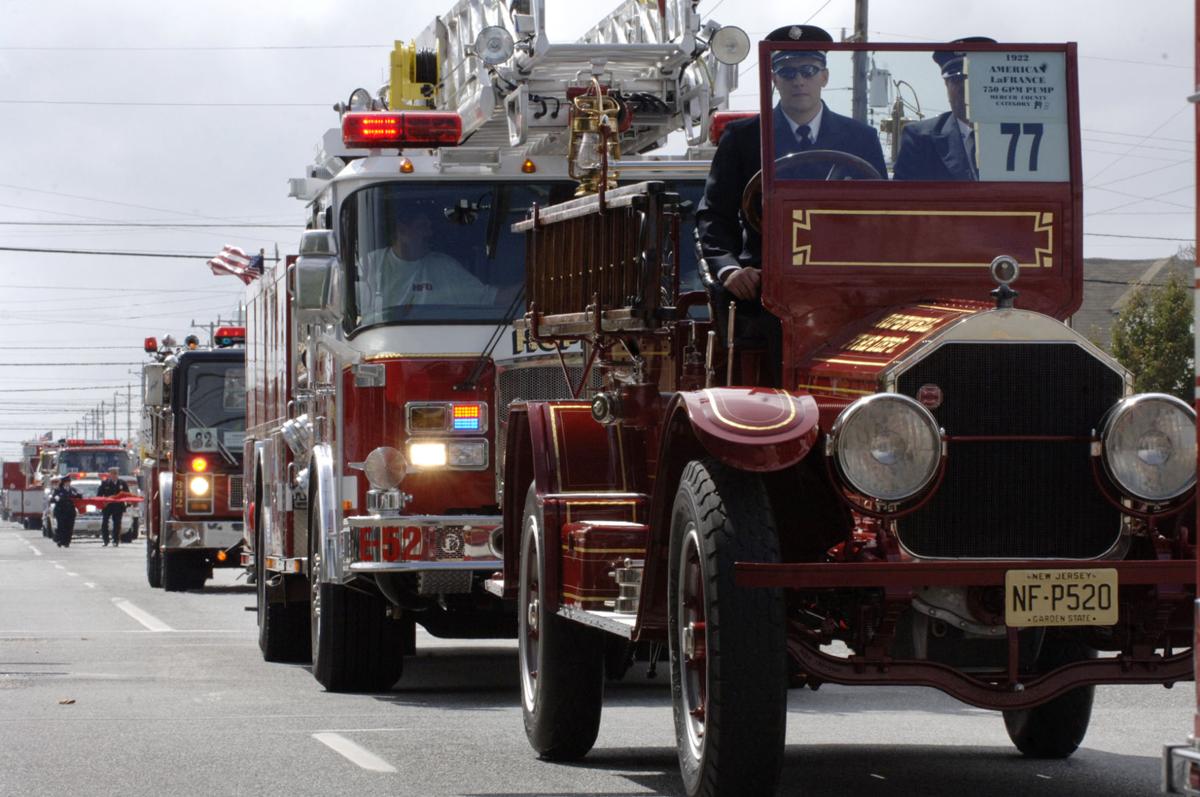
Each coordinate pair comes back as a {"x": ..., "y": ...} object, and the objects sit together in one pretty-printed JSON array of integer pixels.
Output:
[{"x": 751, "y": 428}]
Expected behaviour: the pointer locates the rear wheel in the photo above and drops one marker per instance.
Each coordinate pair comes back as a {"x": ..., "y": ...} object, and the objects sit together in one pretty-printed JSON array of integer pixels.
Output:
[
  {"x": 356, "y": 647},
  {"x": 1054, "y": 729},
  {"x": 153, "y": 564},
  {"x": 561, "y": 662},
  {"x": 728, "y": 643},
  {"x": 283, "y": 633}
]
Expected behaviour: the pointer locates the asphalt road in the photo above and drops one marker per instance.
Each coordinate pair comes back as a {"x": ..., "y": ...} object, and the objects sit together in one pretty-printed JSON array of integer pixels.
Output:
[{"x": 110, "y": 687}]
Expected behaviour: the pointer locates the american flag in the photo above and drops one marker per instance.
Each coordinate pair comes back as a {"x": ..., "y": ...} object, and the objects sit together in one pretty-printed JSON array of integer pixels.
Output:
[{"x": 232, "y": 260}]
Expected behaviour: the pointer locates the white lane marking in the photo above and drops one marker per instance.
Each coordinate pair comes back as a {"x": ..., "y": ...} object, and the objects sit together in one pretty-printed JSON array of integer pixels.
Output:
[
  {"x": 69, "y": 573},
  {"x": 60, "y": 567},
  {"x": 89, "y": 584},
  {"x": 151, "y": 622},
  {"x": 352, "y": 752},
  {"x": 36, "y": 552},
  {"x": 364, "y": 730}
]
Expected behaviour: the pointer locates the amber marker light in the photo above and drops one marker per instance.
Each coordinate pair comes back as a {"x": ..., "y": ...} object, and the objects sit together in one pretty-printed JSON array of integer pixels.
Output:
[
  {"x": 406, "y": 166},
  {"x": 222, "y": 556},
  {"x": 529, "y": 167},
  {"x": 199, "y": 464}
]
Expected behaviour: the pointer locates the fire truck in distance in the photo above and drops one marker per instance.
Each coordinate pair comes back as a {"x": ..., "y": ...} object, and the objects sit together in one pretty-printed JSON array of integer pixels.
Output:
[
  {"x": 951, "y": 488},
  {"x": 193, "y": 423},
  {"x": 88, "y": 462},
  {"x": 382, "y": 362},
  {"x": 25, "y": 496}
]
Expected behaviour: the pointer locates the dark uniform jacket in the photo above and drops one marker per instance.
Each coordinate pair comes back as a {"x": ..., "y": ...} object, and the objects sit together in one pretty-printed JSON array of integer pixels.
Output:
[
  {"x": 724, "y": 239},
  {"x": 932, "y": 149},
  {"x": 64, "y": 505},
  {"x": 111, "y": 487}
]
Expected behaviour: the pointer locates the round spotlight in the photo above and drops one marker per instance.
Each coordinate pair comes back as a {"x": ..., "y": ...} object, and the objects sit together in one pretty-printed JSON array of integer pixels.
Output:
[
  {"x": 385, "y": 468},
  {"x": 360, "y": 100},
  {"x": 494, "y": 45},
  {"x": 1005, "y": 269},
  {"x": 730, "y": 45},
  {"x": 1149, "y": 446}
]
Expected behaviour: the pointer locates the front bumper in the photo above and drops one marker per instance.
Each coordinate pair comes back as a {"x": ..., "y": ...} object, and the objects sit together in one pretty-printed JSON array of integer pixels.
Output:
[
  {"x": 195, "y": 535},
  {"x": 1181, "y": 769},
  {"x": 421, "y": 543}
]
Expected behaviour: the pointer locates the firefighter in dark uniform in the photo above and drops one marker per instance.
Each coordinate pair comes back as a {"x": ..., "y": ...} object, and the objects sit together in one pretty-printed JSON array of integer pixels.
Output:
[
  {"x": 110, "y": 486},
  {"x": 63, "y": 500}
]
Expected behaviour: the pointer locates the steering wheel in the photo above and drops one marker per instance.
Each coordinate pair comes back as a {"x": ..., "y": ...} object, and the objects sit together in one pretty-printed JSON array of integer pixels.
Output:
[{"x": 842, "y": 166}]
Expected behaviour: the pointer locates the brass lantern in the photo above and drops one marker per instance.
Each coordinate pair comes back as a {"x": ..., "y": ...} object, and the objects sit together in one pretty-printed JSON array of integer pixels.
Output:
[{"x": 593, "y": 144}]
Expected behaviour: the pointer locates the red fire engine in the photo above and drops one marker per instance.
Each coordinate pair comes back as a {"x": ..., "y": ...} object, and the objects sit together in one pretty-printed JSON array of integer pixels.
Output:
[
  {"x": 193, "y": 422},
  {"x": 1181, "y": 762},
  {"x": 382, "y": 362},
  {"x": 88, "y": 461},
  {"x": 14, "y": 484},
  {"x": 27, "y": 500},
  {"x": 951, "y": 489}
]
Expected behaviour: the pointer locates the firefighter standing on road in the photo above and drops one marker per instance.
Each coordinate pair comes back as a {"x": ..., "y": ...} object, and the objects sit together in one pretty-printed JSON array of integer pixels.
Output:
[
  {"x": 112, "y": 485},
  {"x": 64, "y": 511}
]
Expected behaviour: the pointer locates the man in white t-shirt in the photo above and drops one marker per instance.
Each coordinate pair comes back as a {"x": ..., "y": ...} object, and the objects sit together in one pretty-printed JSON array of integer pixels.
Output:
[{"x": 410, "y": 273}]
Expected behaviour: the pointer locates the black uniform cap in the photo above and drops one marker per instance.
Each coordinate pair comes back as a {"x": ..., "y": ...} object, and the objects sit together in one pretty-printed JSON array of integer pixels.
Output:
[
  {"x": 798, "y": 33},
  {"x": 951, "y": 61}
]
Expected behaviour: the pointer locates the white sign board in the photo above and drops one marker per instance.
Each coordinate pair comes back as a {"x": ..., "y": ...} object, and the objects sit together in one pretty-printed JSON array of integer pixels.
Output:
[{"x": 1017, "y": 102}]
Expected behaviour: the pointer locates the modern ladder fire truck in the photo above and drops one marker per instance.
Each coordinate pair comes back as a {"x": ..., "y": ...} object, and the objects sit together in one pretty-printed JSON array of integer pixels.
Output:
[
  {"x": 1181, "y": 762},
  {"x": 194, "y": 416},
  {"x": 950, "y": 489},
  {"x": 381, "y": 364}
]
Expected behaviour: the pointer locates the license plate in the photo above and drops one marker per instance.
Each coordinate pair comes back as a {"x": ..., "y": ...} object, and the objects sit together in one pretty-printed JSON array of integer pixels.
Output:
[{"x": 1060, "y": 597}]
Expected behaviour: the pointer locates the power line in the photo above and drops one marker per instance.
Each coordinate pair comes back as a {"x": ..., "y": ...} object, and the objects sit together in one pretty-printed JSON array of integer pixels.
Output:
[
  {"x": 163, "y": 224},
  {"x": 57, "y": 389},
  {"x": 1139, "y": 237},
  {"x": 197, "y": 48},
  {"x": 104, "y": 252},
  {"x": 56, "y": 364},
  {"x": 134, "y": 104}
]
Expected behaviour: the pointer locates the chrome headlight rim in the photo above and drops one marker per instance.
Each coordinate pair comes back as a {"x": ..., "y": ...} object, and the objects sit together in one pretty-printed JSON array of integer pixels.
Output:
[
  {"x": 1120, "y": 412},
  {"x": 848, "y": 416}
]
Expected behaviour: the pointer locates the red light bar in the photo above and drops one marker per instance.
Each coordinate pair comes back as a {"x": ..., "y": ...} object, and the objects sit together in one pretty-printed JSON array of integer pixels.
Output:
[
  {"x": 721, "y": 119},
  {"x": 401, "y": 129},
  {"x": 150, "y": 345}
]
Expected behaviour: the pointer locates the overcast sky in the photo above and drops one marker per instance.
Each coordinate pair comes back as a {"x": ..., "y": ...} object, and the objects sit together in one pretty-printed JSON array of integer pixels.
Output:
[{"x": 198, "y": 113}]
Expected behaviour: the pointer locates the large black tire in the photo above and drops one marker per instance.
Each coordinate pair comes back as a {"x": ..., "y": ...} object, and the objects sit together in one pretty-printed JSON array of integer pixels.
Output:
[
  {"x": 283, "y": 633},
  {"x": 356, "y": 647},
  {"x": 183, "y": 570},
  {"x": 561, "y": 663},
  {"x": 1056, "y": 728},
  {"x": 728, "y": 643},
  {"x": 154, "y": 572},
  {"x": 130, "y": 534}
]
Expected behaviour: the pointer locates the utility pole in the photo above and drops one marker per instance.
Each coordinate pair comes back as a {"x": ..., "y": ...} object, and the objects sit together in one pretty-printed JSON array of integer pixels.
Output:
[
  {"x": 858, "y": 102},
  {"x": 116, "y": 433},
  {"x": 128, "y": 412},
  {"x": 100, "y": 419}
]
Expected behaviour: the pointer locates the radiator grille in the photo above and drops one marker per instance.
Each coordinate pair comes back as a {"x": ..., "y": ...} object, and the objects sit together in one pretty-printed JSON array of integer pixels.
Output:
[
  {"x": 1011, "y": 499},
  {"x": 235, "y": 492}
]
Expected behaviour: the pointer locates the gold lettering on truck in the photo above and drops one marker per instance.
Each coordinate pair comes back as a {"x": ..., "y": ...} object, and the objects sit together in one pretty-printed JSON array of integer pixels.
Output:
[
  {"x": 877, "y": 344},
  {"x": 902, "y": 322}
]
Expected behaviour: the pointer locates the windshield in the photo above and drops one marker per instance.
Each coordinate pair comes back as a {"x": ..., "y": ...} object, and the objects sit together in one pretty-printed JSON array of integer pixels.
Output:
[
  {"x": 926, "y": 115},
  {"x": 86, "y": 487},
  {"x": 214, "y": 415},
  {"x": 421, "y": 253},
  {"x": 95, "y": 461}
]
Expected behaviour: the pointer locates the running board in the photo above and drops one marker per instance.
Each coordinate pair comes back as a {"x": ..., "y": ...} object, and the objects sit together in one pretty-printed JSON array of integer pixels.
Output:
[{"x": 620, "y": 624}]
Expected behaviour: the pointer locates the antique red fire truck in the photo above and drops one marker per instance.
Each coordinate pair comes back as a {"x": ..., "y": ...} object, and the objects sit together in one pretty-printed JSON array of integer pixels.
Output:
[
  {"x": 952, "y": 488},
  {"x": 88, "y": 461},
  {"x": 193, "y": 422},
  {"x": 1181, "y": 762},
  {"x": 382, "y": 362}
]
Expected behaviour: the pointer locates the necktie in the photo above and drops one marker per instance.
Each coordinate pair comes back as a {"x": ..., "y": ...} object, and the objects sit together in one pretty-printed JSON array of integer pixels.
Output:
[
  {"x": 970, "y": 145},
  {"x": 802, "y": 134}
]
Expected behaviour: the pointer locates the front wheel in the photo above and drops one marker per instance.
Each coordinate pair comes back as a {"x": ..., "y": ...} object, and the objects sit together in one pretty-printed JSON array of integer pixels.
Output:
[
  {"x": 728, "y": 643},
  {"x": 153, "y": 564},
  {"x": 355, "y": 646},
  {"x": 1056, "y": 728},
  {"x": 561, "y": 663}
]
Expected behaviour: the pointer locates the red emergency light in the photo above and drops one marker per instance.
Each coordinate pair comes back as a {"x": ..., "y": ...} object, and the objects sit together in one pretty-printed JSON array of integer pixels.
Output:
[
  {"x": 721, "y": 119},
  {"x": 229, "y": 336},
  {"x": 400, "y": 129},
  {"x": 150, "y": 345}
]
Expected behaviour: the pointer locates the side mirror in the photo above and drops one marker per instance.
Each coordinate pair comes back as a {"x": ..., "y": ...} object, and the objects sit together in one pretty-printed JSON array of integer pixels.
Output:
[
  {"x": 318, "y": 287},
  {"x": 154, "y": 392}
]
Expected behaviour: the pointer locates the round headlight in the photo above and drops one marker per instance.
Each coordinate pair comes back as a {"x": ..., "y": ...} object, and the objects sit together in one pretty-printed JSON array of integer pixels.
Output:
[
  {"x": 199, "y": 485},
  {"x": 385, "y": 468},
  {"x": 1150, "y": 446},
  {"x": 730, "y": 45},
  {"x": 887, "y": 446}
]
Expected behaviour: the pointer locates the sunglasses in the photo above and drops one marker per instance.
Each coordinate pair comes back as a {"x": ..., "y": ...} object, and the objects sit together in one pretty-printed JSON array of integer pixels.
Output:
[{"x": 808, "y": 71}]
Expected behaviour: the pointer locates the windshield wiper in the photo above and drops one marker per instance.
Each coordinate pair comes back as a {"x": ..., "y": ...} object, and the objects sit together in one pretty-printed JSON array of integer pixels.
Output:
[{"x": 220, "y": 446}]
